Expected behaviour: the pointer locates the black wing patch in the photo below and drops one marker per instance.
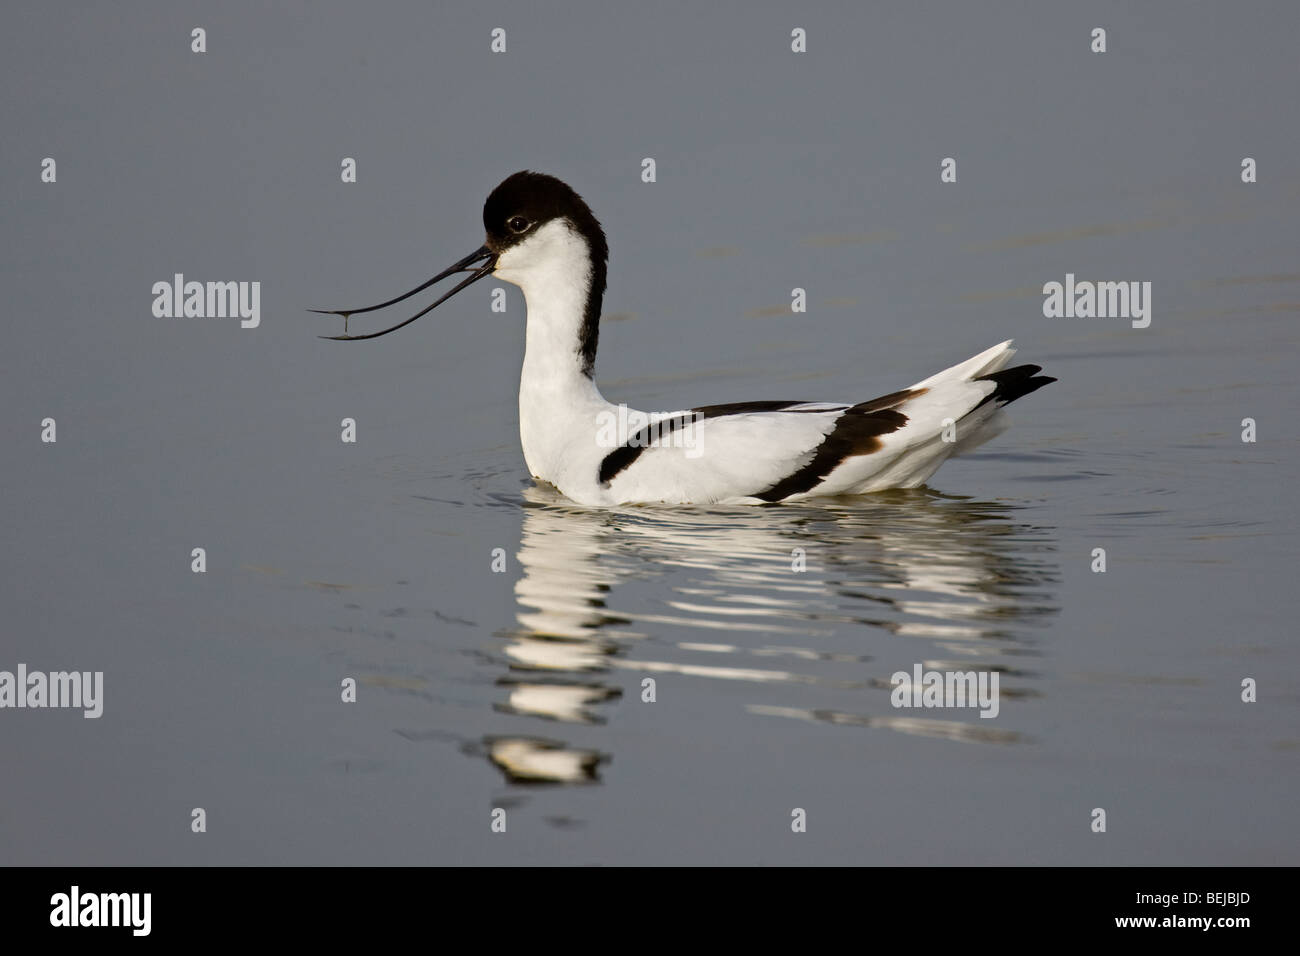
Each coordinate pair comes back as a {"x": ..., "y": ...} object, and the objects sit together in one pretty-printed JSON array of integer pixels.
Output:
[
  {"x": 629, "y": 451},
  {"x": 1013, "y": 383},
  {"x": 856, "y": 432}
]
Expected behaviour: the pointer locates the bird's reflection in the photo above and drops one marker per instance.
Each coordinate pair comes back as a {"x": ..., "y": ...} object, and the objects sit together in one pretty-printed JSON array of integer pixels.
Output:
[{"x": 796, "y": 595}]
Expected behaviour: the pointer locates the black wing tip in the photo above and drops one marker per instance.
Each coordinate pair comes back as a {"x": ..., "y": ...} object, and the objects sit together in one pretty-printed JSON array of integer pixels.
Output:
[{"x": 1013, "y": 383}]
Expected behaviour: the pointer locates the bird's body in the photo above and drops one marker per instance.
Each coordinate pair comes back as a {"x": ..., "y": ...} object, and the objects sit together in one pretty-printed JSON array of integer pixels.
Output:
[
  {"x": 758, "y": 452},
  {"x": 543, "y": 238}
]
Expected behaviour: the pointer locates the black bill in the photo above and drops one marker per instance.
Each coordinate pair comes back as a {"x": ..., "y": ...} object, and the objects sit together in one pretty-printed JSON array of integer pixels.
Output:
[{"x": 478, "y": 263}]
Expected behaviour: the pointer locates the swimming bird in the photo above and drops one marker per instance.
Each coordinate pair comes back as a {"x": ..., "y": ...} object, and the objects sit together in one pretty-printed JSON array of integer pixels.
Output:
[{"x": 542, "y": 237}]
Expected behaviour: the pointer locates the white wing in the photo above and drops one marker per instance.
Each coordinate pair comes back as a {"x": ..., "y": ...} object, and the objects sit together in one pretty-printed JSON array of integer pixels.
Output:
[{"x": 774, "y": 451}]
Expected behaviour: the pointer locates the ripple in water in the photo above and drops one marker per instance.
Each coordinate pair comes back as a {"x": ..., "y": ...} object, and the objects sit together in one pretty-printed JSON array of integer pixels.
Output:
[{"x": 807, "y": 597}]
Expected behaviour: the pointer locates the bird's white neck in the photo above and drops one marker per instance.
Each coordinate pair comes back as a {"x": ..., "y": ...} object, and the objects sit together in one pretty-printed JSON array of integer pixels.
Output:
[{"x": 557, "y": 393}]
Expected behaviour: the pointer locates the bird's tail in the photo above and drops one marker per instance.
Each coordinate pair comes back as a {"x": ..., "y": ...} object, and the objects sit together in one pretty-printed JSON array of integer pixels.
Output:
[{"x": 951, "y": 413}]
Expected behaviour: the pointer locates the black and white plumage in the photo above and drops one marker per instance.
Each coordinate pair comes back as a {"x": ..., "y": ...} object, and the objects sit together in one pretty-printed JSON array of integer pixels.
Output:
[{"x": 543, "y": 237}]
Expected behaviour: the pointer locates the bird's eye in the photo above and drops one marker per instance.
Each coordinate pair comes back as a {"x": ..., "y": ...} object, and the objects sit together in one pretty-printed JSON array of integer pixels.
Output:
[{"x": 518, "y": 224}]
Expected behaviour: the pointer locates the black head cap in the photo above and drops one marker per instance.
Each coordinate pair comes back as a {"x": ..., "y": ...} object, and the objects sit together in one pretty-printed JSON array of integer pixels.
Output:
[{"x": 527, "y": 201}]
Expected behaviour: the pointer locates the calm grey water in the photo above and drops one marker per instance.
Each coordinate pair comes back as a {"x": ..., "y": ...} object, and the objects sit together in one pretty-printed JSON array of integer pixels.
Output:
[{"x": 522, "y": 690}]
